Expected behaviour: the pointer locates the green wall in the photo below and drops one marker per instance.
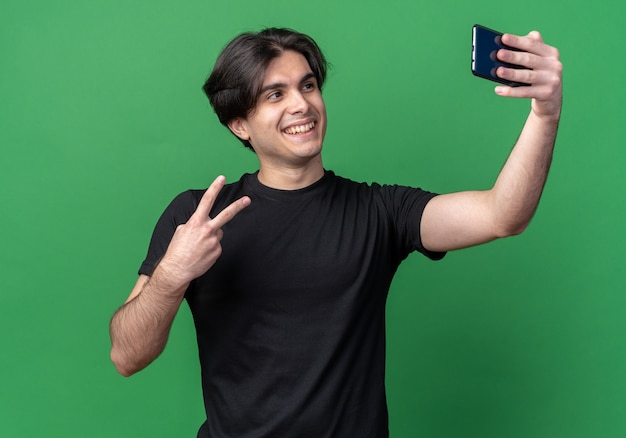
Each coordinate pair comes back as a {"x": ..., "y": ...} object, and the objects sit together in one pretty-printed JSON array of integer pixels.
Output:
[{"x": 102, "y": 122}]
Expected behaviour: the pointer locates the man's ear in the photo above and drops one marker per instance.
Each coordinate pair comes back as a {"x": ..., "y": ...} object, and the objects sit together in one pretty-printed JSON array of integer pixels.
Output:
[{"x": 239, "y": 128}]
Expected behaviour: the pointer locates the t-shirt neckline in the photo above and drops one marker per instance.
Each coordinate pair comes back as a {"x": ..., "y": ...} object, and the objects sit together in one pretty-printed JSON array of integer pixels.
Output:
[{"x": 252, "y": 180}]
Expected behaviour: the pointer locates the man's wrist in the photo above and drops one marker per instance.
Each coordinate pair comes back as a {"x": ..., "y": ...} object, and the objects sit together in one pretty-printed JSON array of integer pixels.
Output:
[{"x": 168, "y": 281}]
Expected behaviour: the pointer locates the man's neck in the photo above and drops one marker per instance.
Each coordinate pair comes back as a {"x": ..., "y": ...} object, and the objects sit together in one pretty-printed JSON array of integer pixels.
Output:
[{"x": 291, "y": 178}]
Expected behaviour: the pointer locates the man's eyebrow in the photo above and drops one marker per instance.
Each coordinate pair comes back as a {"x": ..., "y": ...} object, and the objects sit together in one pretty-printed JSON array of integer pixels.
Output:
[
  {"x": 278, "y": 85},
  {"x": 307, "y": 76}
]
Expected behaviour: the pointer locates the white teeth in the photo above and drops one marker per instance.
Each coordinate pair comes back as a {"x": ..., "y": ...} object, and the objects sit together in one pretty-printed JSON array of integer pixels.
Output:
[{"x": 301, "y": 129}]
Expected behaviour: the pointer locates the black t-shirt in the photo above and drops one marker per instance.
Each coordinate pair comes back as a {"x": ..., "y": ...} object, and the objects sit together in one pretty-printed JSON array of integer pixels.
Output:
[{"x": 290, "y": 320}]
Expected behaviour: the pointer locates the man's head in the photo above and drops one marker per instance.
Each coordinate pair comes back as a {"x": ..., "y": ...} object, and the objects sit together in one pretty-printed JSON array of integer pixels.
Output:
[{"x": 235, "y": 83}]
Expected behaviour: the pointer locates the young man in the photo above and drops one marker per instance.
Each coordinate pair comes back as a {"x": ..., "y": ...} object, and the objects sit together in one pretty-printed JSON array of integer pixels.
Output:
[{"x": 286, "y": 271}]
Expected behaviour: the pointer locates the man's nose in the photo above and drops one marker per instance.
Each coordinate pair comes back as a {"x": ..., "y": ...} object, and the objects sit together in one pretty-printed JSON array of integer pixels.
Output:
[{"x": 298, "y": 103}]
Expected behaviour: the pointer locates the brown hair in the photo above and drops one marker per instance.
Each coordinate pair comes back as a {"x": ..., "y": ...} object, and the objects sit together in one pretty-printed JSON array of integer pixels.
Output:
[{"x": 234, "y": 84}]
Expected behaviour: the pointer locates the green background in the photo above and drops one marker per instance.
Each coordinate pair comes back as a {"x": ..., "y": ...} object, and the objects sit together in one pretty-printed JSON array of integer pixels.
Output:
[{"x": 102, "y": 122}]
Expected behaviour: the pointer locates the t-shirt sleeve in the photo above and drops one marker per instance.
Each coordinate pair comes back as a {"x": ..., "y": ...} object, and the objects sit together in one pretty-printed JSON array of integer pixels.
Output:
[
  {"x": 406, "y": 206},
  {"x": 177, "y": 212}
]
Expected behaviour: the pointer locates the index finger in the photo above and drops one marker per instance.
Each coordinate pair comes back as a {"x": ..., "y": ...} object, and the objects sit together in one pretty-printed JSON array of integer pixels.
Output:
[
  {"x": 230, "y": 212},
  {"x": 532, "y": 43},
  {"x": 206, "y": 202}
]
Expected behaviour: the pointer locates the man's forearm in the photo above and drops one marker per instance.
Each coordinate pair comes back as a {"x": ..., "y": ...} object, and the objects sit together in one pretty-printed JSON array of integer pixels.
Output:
[
  {"x": 517, "y": 191},
  {"x": 140, "y": 328}
]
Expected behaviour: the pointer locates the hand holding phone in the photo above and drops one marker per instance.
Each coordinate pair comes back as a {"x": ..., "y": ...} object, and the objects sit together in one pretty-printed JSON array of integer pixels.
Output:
[
  {"x": 539, "y": 66},
  {"x": 485, "y": 45}
]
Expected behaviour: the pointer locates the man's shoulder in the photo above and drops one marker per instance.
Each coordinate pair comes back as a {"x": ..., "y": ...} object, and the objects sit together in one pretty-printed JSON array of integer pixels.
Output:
[
  {"x": 349, "y": 182},
  {"x": 367, "y": 188}
]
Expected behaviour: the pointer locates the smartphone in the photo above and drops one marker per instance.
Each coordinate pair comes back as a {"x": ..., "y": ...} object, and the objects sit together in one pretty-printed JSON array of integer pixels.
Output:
[{"x": 485, "y": 45}]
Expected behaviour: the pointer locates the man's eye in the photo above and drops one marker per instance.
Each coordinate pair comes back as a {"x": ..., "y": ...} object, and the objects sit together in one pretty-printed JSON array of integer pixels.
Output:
[
  {"x": 308, "y": 86},
  {"x": 274, "y": 95}
]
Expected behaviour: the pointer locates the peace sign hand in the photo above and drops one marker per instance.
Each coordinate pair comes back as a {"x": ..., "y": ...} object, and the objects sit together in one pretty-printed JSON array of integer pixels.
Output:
[{"x": 195, "y": 246}]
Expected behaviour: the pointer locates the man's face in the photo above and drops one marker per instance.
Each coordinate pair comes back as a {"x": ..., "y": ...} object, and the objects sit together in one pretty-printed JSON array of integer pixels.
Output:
[{"x": 287, "y": 126}]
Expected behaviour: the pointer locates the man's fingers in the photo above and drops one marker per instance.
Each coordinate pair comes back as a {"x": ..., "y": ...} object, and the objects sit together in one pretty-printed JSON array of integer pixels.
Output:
[
  {"x": 524, "y": 59},
  {"x": 208, "y": 199},
  {"x": 521, "y": 92},
  {"x": 206, "y": 202},
  {"x": 531, "y": 43},
  {"x": 230, "y": 212},
  {"x": 541, "y": 68},
  {"x": 525, "y": 76},
  {"x": 526, "y": 43}
]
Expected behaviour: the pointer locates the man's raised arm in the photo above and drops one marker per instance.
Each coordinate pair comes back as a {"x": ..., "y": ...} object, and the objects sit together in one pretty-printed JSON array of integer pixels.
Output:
[{"x": 463, "y": 219}]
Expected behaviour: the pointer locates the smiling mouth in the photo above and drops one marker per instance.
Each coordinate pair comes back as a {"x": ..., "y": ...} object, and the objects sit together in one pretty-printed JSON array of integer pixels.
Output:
[{"x": 300, "y": 129}]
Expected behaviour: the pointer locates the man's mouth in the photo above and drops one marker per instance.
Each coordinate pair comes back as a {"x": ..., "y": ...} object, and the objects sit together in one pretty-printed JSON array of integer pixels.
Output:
[{"x": 300, "y": 129}]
